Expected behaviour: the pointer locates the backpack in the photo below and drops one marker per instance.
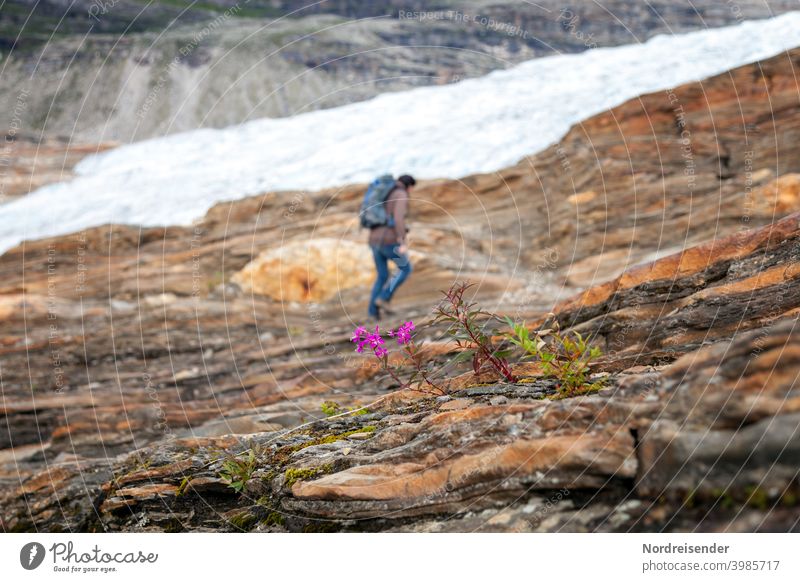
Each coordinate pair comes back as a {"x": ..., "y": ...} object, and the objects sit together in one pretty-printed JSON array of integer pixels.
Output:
[{"x": 373, "y": 209}]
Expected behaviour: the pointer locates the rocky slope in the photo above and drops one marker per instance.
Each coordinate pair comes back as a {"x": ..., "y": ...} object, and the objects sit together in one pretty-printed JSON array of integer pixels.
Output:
[
  {"x": 133, "y": 365},
  {"x": 605, "y": 24},
  {"x": 28, "y": 161},
  {"x": 177, "y": 65}
]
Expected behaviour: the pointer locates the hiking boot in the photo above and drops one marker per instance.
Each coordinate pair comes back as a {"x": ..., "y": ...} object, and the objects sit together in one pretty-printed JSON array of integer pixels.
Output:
[{"x": 383, "y": 306}]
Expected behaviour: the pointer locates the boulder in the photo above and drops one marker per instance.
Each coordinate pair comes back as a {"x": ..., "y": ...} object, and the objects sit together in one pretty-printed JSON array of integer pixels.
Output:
[{"x": 308, "y": 270}]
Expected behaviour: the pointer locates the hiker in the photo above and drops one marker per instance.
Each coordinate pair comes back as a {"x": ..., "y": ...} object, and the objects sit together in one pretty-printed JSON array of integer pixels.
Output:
[{"x": 384, "y": 212}]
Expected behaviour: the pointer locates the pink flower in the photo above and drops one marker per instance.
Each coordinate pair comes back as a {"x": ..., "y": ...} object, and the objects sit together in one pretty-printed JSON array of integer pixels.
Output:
[
  {"x": 359, "y": 331},
  {"x": 361, "y": 337},
  {"x": 403, "y": 333}
]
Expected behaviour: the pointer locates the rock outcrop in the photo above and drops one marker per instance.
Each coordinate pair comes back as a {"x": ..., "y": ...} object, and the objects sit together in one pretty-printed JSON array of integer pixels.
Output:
[
  {"x": 310, "y": 271},
  {"x": 139, "y": 381},
  {"x": 706, "y": 442},
  {"x": 28, "y": 162}
]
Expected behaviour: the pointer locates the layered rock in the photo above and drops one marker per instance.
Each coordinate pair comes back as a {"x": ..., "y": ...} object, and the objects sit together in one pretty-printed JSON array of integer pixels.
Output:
[
  {"x": 312, "y": 270},
  {"x": 713, "y": 434},
  {"x": 133, "y": 367},
  {"x": 28, "y": 162},
  {"x": 665, "y": 171},
  {"x": 697, "y": 296}
]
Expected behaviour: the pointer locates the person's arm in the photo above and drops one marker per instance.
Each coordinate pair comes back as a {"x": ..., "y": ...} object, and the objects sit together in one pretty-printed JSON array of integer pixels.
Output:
[{"x": 400, "y": 211}]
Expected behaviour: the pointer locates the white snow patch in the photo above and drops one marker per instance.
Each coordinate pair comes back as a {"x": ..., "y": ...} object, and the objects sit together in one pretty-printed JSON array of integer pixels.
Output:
[{"x": 477, "y": 125}]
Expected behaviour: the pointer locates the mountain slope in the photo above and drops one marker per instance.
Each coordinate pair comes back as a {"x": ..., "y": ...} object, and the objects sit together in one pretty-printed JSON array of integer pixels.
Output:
[
  {"x": 132, "y": 366},
  {"x": 140, "y": 69},
  {"x": 430, "y": 132}
]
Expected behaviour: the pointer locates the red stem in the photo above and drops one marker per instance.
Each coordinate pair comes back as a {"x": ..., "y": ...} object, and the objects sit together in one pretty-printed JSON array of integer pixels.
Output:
[
  {"x": 498, "y": 364},
  {"x": 385, "y": 361}
]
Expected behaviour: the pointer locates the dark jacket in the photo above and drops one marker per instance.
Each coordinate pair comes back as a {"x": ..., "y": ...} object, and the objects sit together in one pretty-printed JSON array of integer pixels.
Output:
[{"x": 396, "y": 207}]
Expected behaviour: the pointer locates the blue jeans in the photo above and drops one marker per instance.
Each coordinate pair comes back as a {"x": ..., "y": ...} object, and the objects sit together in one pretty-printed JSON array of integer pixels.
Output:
[{"x": 383, "y": 287}]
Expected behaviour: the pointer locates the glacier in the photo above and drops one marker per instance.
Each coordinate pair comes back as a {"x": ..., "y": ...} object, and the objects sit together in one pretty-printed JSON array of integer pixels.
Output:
[{"x": 472, "y": 126}]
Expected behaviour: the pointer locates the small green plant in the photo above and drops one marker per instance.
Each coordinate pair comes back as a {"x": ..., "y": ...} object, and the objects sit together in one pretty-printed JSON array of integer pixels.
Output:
[
  {"x": 244, "y": 520},
  {"x": 182, "y": 487},
  {"x": 330, "y": 408},
  {"x": 236, "y": 472},
  {"x": 757, "y": 497},
  {"x": 565, "y": 357},
  {"x": 789, "y": 499},
  {"x": 274, "y": 518},
  {"x": 292, "y": 476}
]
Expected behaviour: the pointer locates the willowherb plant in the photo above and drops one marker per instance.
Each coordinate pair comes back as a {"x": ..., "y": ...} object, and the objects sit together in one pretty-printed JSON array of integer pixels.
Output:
[
  {"x": 563, "y": 357},
  {"x": 236, "y": 472},
  {"x": 374, "y": 341},
  {"x": 463, "y": 319}
]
